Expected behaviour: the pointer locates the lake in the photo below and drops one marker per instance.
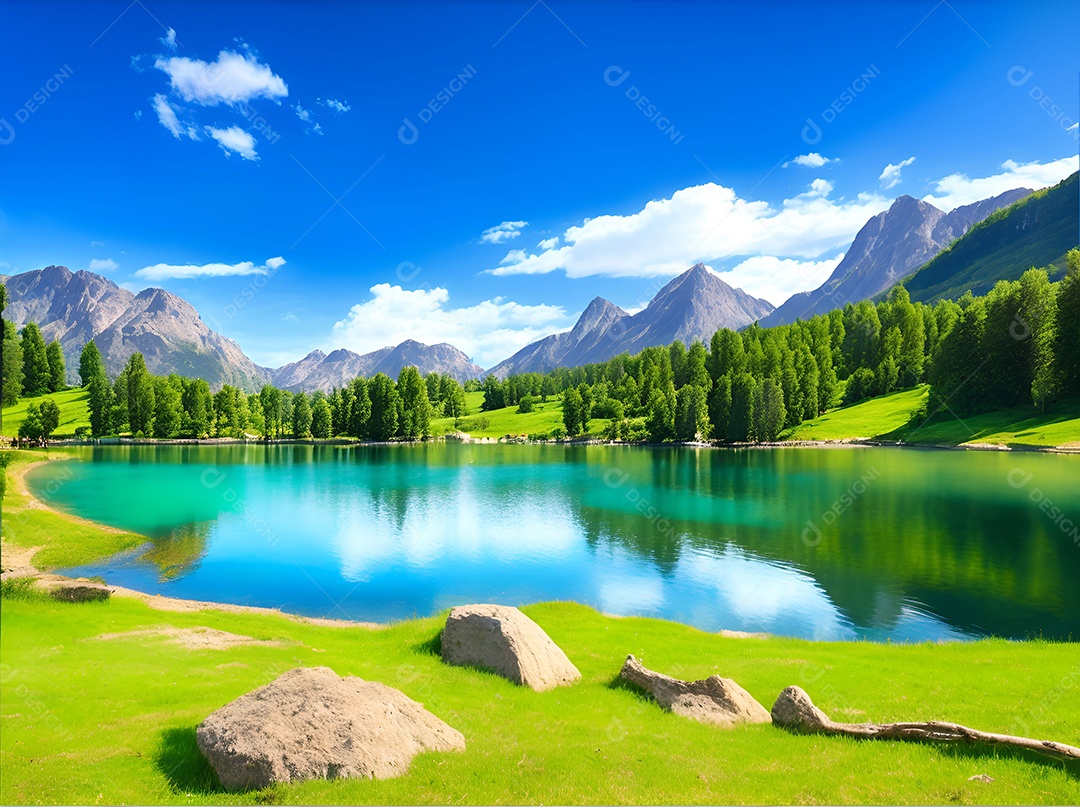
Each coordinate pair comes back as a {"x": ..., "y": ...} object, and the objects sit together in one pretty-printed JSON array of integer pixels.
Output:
[{"x": 831, "y": 543}]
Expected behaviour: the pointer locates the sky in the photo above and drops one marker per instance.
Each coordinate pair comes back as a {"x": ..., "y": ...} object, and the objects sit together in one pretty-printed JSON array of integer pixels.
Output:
[{"x": 326, "y": 175}]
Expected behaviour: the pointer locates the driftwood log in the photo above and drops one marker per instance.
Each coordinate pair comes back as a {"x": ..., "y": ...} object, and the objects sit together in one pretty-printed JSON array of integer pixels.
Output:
[
  {"x": 794, "y": 710},
  {"x": 716, "y": 701}
]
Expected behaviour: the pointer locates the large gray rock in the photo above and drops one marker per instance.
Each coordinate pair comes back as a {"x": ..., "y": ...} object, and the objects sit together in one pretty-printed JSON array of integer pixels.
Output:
[
  {"x": 312, "y": 724},
  {"x": 502, "y": 639},
  {"x": 713, "y": 700}
]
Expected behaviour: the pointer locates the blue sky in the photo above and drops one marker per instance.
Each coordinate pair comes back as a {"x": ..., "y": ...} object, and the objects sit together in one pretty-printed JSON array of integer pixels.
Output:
[{"x": 351, "y": 175}]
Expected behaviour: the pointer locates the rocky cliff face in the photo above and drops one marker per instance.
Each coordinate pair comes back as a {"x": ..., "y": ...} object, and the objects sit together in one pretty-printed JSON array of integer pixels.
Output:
[
  {"x": 890, "y": 247},
  {"x": 74, "y": 307}
]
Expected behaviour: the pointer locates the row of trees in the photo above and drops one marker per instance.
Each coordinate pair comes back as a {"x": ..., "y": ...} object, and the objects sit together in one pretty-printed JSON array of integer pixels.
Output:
[
  {"x": 378, "y": 408},
  {"x": 30, "y": 367},
  {"x": 1020, "y": 343}
]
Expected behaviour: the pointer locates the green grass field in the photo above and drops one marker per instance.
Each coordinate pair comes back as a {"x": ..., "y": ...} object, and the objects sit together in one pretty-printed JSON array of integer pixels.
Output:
[
  {"x": 85, "y": 719},
  {"x": 74, "y": 412},
  {"x": 501, "y": 422},
  {"x": 901, "y": 416}
]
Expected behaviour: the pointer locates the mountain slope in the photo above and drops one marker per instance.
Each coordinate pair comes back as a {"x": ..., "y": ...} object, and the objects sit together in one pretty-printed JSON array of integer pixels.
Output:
[
  {"x": 888, "y": 248},
  {"x": 692, "y": 306},
  {"x": 74, "y": 307},
  {"x": 1037, "y": 231},
  {"x": 319, "y": 371}
]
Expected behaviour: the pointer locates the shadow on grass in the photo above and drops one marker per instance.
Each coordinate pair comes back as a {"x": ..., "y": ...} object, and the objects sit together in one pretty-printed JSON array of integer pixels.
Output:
[
  {"x": 989, "y": 752},
  {"x": 430, "y": 647},
  {"x": 180, "y": 761}
]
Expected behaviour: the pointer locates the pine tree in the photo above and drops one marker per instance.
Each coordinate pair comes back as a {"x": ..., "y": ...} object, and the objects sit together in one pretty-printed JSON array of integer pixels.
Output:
[
  {"x": 54, "y": 356},
  {"x": 90, "y": 363},
  {"x": 36, "y": 376},
  {"x": 691, "y": 413},
  {"x": 11, "y": 368},
  {"x": 301, "y": 417},
  {"x": 385, "y": 407},
  {"x": 416, "y": 408},
  {"x": 321, "y": 420}
]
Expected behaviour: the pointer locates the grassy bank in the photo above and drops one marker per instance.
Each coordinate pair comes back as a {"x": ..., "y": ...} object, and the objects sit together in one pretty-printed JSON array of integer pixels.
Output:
[
  {"x": 88, "y": 719},
  {"x": 544, "y": 419},
  {"x": 74, "y": 412},
  {"x": 902, "y": 416}
]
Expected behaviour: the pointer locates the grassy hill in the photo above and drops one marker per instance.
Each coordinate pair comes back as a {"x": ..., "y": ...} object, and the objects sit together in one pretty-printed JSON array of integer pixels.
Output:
[
  {"x": 1036, "y": 231},
  {"x": 500, "y": 422},
  {"x": 902, "y": 416},
  {"x": 74, "y": 412}
]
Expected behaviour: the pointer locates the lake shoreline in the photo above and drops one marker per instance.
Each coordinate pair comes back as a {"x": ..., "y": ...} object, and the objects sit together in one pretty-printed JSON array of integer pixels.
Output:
[{"x": 852, "y": 442}]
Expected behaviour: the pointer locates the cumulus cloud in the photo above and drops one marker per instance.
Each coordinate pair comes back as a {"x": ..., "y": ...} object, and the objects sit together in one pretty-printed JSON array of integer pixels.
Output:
[
  {"x": 488, "y": 331},
  {"x": 103, "y": 265},
  {"x": 775, "y": 279},
  {"x": 811, "y": 160},
  {"x": 711, "y": 224},
  {"x": 959, "y": 189},
  {"x": 503, "y": 232},
  {"x": 165, "y": 271},
  {"x": 890, "y": 177},
  {"x": 334, "y": 104},
  {"x": 232, "y": 79},
  {"x": 169, "y": 40},
  {"x": 234, "y": 139},
  {"x": 549, "y": 243}
]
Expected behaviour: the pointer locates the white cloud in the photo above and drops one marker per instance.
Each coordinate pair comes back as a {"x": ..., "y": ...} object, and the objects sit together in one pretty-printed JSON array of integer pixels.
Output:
[
  {"x": 103, "y": 265},
  {"x": 169, "y": 40},
  {"x": 503, "y": 232},
  {"x": 334, "y": 104},
  {"x": 711, "y": 224},
  {"x": 234, "y": 139},
  {"x": 775, "y": 279},
  {"x": 1074, "y": 127},
  {"x": 233, "y": 79},
  {"x": 97, "y": 243},
  {"x": 890, "y": 177},
  {"x": 549, "y": 243},
  {"x": 167, "y": 117},
  {"x": 958, "y": 189},
  {"x": 303, "y": 114},
  {"x": 811, "y": 160},
  {"x": 488, "y": 331},
  {"x": 165, "y": 271}
]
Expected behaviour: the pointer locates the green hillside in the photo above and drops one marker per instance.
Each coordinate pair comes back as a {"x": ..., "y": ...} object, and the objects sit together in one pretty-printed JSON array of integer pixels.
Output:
[
  {"x": 1036, "y": 231},
  {"x": 74, "y": 412}
]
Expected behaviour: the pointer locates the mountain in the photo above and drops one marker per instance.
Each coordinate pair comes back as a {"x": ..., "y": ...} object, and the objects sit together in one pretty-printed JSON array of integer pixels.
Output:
[
  {"x": 692, "y": 306},
  {"x": 888, "y": 248},
  {"x": 1036, "y": 231},
  {"x": 319, "y": 371},
  {"x": 74, "y": 307}
]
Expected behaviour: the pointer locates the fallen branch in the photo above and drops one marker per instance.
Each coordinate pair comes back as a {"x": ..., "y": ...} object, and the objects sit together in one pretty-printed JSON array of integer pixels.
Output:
[
  {"x": 713, "y": 700},
  {"x": 794, "y": 710}
]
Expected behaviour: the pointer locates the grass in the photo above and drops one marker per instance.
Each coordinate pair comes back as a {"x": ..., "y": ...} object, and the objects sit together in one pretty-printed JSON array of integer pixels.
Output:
[
  {"x": 866, "y": 419},
  {"x": 65, "y": 541},
  {"x": 902, "y": 416},
  {"x": 87, "y": 720},
  {"x": 74, "y": 412},
  {"x": 501, "y": 422}
]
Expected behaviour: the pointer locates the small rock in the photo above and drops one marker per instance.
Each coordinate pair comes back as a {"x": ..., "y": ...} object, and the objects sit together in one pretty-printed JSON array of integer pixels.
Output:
[
  {"x": 312, "y": 724},
  {"x": 794, "y": 710},
  {"x": 502, "y": 639},
  {"x": 980, "y": 777}
]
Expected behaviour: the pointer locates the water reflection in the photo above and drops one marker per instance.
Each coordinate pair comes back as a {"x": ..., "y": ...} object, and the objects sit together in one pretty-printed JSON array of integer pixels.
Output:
[{"x": 928, "y": 545}]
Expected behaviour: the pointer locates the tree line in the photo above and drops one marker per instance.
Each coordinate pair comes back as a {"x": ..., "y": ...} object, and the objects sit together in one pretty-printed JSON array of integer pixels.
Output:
[
  {"x": 1018, "y": 344},
  {"x": 378, "y": 408}
]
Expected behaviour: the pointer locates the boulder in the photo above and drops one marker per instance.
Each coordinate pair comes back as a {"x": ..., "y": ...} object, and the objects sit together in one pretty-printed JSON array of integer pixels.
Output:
[
  {"x": 502, "y": 639},
  {"x": 311, "y": 723},
  {"x": 714, "y": 700}
]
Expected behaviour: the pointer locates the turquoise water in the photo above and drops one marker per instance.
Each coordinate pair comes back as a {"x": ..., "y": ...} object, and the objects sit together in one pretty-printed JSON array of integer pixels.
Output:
[{"x": 819, "y": 543}]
